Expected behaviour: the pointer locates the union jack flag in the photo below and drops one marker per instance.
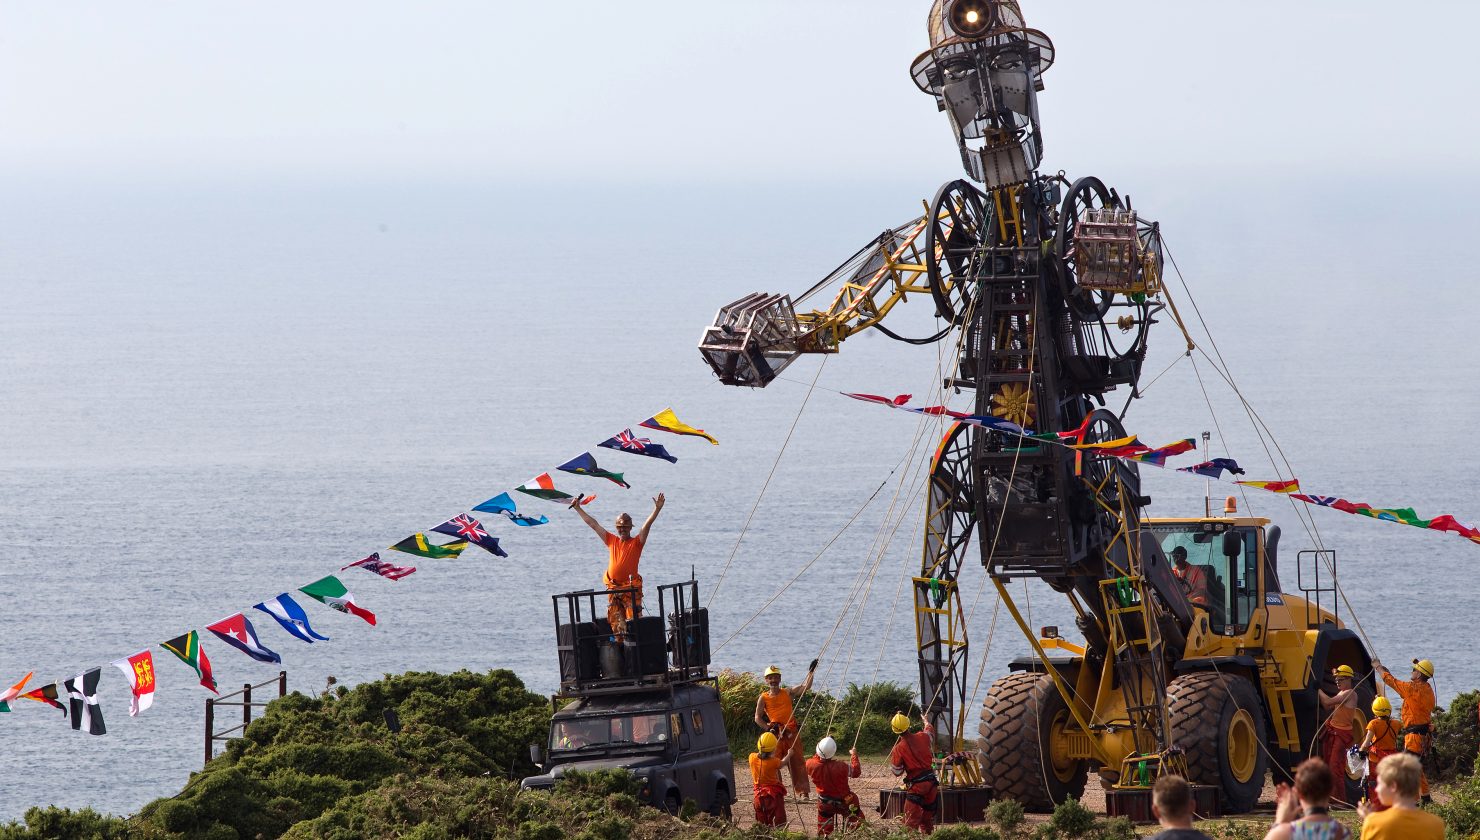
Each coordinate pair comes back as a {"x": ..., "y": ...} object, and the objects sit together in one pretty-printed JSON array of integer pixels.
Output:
[
  {"x": 468, "y": 529},
  {"x": 463, "y": 527},
  {"x": 1323, "y": 501},
  {"x": 625, "y": 441}
]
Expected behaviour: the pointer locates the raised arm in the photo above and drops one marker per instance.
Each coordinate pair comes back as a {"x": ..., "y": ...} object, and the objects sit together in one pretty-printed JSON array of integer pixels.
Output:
[
  {"x": 657, "y": 506},
  {"x": 806, "y": 685},
  {"x": 580, "y": 510}
]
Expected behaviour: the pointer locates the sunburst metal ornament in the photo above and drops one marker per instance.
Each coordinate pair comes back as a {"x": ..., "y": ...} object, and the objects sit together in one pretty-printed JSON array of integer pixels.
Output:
[{"x": 1014, "y": 402}]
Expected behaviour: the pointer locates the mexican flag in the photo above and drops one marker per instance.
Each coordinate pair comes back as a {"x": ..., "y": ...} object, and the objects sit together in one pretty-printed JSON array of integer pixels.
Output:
[{"x": 330, "y": 590}]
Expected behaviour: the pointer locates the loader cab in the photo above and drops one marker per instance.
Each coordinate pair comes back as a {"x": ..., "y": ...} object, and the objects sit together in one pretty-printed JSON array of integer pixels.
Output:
[{"x": 1235, "y": 569}]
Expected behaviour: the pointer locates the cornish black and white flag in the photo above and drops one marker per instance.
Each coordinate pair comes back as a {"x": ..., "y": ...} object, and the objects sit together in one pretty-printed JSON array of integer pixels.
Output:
[{"x": 82, "y": 697}]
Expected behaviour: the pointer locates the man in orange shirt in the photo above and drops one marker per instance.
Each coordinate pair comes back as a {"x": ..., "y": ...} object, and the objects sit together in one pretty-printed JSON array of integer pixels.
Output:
[
  {"x": 1194, "y": 581},
  {"x": 765, "y": 775},
  {"x": 1336, "y": 738},
  {"x": 774, "y": 712},
  {"x": 913, "y": 757},
  {"x": 1418, "y": 710},
  {"x": 835, "y": 799},
  {"x": 624, "y": 551}
]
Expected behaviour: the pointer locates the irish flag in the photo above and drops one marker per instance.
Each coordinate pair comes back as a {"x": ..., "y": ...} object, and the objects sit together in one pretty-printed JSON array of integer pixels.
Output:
[
  {"x": 543, "y": 486},
  {"x": 330, "y": 590}
]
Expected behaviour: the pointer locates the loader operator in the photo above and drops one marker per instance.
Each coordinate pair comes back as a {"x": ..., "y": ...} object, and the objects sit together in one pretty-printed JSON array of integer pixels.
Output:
[
  {"x": 624, "y": 552},
  {"x": 774, "y": 713},
  {"x": 1336, "y": 738},
  {"x": 836, "y": 801},
  {"x": 1418, "y": 710},
  {"x": 1194, "y": 580},
  {"x": 913, "y": 757}
]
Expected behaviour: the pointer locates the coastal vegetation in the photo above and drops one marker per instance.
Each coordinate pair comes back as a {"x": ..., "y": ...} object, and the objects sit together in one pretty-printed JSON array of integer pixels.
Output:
[{"x": 330, "y": 767}]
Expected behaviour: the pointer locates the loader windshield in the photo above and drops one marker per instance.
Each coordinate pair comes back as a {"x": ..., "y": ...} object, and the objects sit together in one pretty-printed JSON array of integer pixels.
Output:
[{"x": 1232, "y": 583}]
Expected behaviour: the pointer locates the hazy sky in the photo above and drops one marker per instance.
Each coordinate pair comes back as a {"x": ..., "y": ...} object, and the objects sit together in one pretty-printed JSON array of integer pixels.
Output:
[{"x": 743, "y": 91}]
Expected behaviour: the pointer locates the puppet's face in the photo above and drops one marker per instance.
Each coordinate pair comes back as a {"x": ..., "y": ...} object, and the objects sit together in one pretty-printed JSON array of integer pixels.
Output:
[{"x": 984, "y": 68}]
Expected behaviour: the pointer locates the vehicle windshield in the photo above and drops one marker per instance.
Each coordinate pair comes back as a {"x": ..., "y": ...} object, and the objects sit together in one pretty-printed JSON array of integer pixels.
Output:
[
  {"x": 589, "y": 733},
  {"x": 1228, "y": 588}
]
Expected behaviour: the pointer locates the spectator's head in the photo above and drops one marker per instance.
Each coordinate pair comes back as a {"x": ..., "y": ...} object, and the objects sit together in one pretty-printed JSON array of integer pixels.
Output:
[
  {"x": 1171, "y": 801},
  {"x": 1398, "y": 777},
  {"x": 1314, "y": 782}
]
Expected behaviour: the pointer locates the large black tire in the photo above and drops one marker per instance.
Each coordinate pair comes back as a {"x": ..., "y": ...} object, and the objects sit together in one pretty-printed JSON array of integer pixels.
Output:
[
  {"x": 1021, "y": 757},
  {"x": 1219, "y": 722}
]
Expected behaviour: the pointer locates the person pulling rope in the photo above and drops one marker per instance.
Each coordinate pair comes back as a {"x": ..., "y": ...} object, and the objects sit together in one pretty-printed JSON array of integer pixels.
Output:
[
  {"x": 913, "y": 758},
  {"x": 774, "y": 712},
  {"x": 836, "y": 801}
]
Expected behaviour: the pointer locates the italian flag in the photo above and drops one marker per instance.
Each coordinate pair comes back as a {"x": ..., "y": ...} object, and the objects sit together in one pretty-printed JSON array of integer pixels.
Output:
[{"x": 330, "y": 590}]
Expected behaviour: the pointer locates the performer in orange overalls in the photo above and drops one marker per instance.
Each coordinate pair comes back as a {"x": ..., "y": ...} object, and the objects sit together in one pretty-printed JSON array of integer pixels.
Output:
[
  {"x": 765, "y": 774},
  {"x": 835, "y": 799},
  {"x": 1381, "y": 742},
  {"x": 913, "y": 757},
  {"x": 624, "y": 552},
  {"x": 1417, "y": 712},
  {"x": 1336, "y": 737},
  {"x": 774, "y": 713}
]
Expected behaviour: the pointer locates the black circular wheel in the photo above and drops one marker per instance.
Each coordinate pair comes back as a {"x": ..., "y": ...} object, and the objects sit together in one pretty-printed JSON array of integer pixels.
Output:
[
  {"x": 1218, "y": 722},
  {"x": 959, "y": 225},
  {"x": 1085, "y": 194},
  {"x": 1024, "y": 743},
  {"x": 719, "y": 806},
  {"x": 1117, "y": 481}
]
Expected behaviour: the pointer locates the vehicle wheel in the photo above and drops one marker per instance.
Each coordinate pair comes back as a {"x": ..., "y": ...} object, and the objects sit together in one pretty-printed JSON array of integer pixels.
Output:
[
  {"x": 719, "y": 806},
  {"x": 1218, "y": 721},
  {"x": 1024, "y": 746},
  {"x": 672, "y": 804}
]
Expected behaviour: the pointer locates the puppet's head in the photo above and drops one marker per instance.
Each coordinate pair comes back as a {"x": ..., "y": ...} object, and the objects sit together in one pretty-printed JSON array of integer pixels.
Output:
[{"x": 985, "y": 68}]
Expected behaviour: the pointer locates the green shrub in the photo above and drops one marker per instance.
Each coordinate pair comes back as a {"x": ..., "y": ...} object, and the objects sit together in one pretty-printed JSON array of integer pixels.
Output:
[
  {"x": 1456, "y": 739},
  {"x": 1071, "y": 819},
  {"x": 1006, "y": 814},
  {"x": 1461, "y": 813},
  {"x": 53, "y": 822}
]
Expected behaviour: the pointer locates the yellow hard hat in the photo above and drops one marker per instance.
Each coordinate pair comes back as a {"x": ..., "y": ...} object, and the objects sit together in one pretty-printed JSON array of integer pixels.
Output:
[
  {"x": 1382, "y": 708},
  {"x": 1345, "y": 671},
  {"x": 771, "y": 669},
  {"x": 1423, "y": 666},
  {"x": 899, "y": 723},
  {"x": 767, "y": 742}
]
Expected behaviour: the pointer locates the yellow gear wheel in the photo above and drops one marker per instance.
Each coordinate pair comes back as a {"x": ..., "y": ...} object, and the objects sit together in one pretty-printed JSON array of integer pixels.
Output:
[{"x": 1014, "y": 401}]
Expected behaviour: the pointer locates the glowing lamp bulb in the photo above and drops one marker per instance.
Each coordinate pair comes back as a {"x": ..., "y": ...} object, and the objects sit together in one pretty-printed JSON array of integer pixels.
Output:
[{"x": 972, "y": 16}]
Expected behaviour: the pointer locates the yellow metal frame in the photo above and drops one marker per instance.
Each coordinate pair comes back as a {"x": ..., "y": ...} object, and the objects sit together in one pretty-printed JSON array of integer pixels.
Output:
[{"x": 856, "y": 307}]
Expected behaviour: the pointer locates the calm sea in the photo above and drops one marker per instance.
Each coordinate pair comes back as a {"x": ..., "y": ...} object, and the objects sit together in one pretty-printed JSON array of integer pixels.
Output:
[{"x": 216, "y": 393}]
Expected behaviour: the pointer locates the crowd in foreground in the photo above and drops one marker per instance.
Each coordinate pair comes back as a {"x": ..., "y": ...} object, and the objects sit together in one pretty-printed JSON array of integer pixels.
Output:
[{"x": 1303, "y": 812}]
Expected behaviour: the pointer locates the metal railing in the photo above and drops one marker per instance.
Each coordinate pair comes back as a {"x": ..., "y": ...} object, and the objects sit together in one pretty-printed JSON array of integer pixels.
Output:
[{"x": 212, "y": 736}]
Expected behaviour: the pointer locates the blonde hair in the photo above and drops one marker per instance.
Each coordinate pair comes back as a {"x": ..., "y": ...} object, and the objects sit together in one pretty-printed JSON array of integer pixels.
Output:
[{"x": 1401, "y": 772}]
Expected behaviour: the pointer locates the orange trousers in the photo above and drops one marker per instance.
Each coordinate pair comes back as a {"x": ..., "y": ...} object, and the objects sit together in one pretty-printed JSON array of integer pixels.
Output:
[
  {"x": 1334, "y": 744},
  {"x": 770, "y": 805},
  {"x": 796, "y": 763},
  {"x": 919, "y": 806},
  {"x": 829, "y": 814},
  {"x": 622, "y": 607}
]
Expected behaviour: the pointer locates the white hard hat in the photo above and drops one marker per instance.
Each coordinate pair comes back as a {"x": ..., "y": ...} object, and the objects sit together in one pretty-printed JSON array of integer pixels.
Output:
[{"x": 827, "y": 747}]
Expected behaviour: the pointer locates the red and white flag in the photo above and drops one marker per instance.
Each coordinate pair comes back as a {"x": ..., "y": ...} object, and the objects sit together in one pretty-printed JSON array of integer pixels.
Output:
[{"x": 139, "y": 671}]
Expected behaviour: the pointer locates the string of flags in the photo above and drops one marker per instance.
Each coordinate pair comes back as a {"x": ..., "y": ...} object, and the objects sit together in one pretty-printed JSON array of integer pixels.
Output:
[
  {"x": 1131, "y": 449},
  {"x": 78, "y": 698}
]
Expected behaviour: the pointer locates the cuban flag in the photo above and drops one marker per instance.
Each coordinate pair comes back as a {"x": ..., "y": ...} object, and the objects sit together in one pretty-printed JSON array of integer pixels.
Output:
[
  {"x": 625, "y": 441},
  {"x": 291, "y": 616},
  {"x": 237, "y": 631}
]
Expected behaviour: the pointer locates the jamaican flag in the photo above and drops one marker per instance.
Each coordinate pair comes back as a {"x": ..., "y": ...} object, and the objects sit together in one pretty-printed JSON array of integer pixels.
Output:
[{"x": 417, "y": 544}]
